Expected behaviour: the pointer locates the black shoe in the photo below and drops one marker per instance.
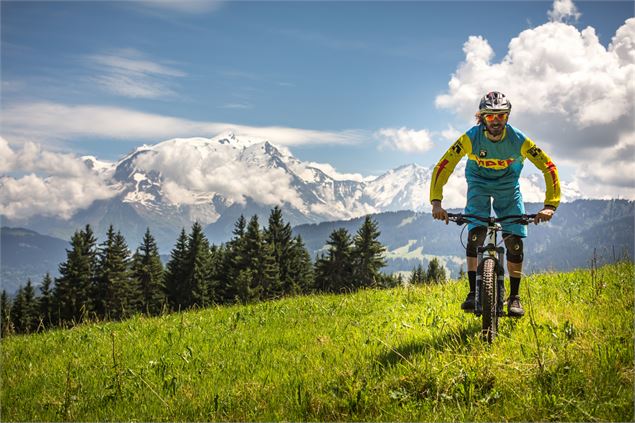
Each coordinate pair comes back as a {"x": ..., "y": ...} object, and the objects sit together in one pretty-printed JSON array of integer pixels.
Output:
[
  {"x": 469, "y": 304},
  {"x": 514, "y": 308}
]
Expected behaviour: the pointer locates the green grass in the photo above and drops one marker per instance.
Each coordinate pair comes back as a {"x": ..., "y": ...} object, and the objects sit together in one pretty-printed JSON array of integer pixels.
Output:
[{"x": 406, "y": 354}]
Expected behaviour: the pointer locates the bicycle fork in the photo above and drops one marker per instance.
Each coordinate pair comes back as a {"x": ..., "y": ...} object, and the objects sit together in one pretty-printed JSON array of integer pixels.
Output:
[{"x": 498, "y": 254}]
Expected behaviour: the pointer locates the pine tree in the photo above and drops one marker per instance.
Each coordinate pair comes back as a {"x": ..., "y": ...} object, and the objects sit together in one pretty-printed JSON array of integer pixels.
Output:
[
  {"x": 279, "y": 237},
  {"x": 116, "y": 294},
  {"x": 46, "y": 302},
  {"x": 74, "y": 291},
  {"x": 18, "y": 312},
  {"x": 176, "y": 273},
  {"x": 418, "y": 275},
  {"x": 5, "y": 315},
  {"x": 436, "y": 272},
  {"x": 31, "y": 308},
  {"x": 368, "y": 255},
  {"x": 233, "y": 262},
  {"x": 147, "y": 272},
  {"x": 198, "y": 257},
  {"x": 215, "y": 273},
  {"x": 333, "y": 273},
  {"x": 300, "y": 276}
]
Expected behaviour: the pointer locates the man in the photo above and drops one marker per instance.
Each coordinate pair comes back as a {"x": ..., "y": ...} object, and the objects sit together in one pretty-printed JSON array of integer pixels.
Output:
[{"x": 496, "y": 152}]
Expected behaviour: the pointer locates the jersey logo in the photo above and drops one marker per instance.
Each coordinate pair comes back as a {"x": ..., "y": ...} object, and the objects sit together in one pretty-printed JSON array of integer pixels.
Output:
[
  {"x": 456, "y": 147},
  {"x": 495, "y": 164},
  {"x": 482, "y": 153},
  {"x": 534, "y": 151}
]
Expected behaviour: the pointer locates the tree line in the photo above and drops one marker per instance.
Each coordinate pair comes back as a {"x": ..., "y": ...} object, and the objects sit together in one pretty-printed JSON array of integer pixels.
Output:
[{"x": 109, "y": 282}]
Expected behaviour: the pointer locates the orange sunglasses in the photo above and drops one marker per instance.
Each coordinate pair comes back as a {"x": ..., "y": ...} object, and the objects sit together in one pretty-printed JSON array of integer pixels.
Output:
[{"x": 491, "y": 116}]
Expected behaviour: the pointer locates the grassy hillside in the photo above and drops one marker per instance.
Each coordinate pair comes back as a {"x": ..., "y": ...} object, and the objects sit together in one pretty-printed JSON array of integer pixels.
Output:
[{"x": 404, "y": 354}]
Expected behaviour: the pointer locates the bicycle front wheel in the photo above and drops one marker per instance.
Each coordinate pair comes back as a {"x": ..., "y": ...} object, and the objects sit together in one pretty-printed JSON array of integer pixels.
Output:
[{"x": 489, "y": 296}]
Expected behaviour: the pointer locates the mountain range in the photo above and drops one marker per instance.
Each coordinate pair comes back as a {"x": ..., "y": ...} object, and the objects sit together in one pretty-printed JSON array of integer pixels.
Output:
[{"x": 169, "y": 185}]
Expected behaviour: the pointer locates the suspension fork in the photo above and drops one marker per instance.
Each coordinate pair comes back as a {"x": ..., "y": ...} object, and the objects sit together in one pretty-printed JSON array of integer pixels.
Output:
[{"x": 497, "y": 253}]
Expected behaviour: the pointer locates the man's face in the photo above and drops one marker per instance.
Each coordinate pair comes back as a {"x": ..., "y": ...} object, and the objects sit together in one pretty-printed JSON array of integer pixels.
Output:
[{"x": 495, "y": 122}]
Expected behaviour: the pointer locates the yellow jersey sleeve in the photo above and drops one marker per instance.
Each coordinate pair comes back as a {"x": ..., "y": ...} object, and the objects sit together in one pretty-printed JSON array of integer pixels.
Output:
[
  {"x": 446, "y": 165},
  {"x": 548, "y": 169}
]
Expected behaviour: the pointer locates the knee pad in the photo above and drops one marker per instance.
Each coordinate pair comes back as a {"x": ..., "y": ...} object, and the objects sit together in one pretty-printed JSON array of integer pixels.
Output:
[
  {"x": 514, "y": 247},
  {"x": 475, "y": 238}
]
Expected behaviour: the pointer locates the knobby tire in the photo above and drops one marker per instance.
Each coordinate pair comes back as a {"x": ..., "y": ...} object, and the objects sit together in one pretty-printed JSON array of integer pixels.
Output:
[{"x": 489, "y": 299}]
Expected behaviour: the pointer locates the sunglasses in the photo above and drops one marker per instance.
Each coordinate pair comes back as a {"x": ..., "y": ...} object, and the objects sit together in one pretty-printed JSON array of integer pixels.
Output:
[{"x": 491, "y": 116}]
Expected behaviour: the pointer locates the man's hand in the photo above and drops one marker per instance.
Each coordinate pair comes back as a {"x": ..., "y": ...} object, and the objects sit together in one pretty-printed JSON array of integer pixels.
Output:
[
  {"x": 544, "y": 215},
  {"x": 439, "y": 212}
]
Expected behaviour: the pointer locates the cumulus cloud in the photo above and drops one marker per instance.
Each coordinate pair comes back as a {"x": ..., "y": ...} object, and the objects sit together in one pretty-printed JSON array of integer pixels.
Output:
[
  {"x": 570, "y": 94},
  {"x": 128, "y": 73},
  {"x": 563, "y": 10},
  {"x": 404, "y": 139},
  {"x": 219, "y": 172},
  {"x": 46, "y": 121},
  {"x": 333, "y": 173},
  {"x": 47, "y": 183}
]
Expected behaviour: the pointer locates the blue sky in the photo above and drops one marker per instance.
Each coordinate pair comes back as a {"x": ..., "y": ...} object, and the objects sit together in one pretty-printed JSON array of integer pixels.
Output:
[{"x": 345, "y": 76}]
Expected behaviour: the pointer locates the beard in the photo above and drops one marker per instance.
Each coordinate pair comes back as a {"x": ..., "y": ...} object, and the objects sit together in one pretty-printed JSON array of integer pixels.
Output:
[{"x": 495, "y": 128}]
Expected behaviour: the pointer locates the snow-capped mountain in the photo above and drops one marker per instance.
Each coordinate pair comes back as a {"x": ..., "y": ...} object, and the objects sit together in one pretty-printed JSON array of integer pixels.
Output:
[{"x": 169, "y": 185}]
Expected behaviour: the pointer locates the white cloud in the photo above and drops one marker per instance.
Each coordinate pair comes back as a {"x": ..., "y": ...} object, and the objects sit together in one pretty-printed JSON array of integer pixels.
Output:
[
  {"x": 220, "y": 173},
  {"x": 563, "y": 10},
  {"x": 404, "y": 139},
  {"x": 333, "y": 173},
  {"x": 128, "y": 73},
  {"x": 45, "y": 122},
  {"x": 50, "y": 184},
  {"x": 570, "y": 94}
]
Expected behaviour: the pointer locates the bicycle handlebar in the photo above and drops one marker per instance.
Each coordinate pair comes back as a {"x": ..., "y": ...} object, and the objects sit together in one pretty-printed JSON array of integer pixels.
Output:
[{"x": 462, "y": 219}]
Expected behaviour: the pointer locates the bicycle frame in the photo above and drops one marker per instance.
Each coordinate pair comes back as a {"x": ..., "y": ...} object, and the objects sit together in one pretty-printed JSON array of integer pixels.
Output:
[{"x": 491, "y": 293}]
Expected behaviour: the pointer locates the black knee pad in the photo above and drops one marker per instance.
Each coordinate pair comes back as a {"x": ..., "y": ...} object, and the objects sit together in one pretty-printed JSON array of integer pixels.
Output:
[
  {"x": 475, "y": 238},
  {"x": 514, "y": 247}
]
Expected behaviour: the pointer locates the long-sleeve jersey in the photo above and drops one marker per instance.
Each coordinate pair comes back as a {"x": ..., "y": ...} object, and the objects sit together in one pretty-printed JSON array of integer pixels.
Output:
[{"x": 498, "y": 162}]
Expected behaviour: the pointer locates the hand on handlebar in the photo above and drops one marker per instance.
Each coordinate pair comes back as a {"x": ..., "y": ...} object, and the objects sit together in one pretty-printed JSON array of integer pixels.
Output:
[
  {"x": 439, "y": 212},
  {"x": 544, "y": 215}
]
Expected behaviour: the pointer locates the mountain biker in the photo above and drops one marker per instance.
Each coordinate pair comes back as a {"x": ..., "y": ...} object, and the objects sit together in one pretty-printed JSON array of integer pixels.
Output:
[{"x": 496, "y": 152}]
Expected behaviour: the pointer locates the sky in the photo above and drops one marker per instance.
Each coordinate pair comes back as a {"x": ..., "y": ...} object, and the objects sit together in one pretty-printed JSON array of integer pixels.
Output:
[{"x": 364, "y": 86}]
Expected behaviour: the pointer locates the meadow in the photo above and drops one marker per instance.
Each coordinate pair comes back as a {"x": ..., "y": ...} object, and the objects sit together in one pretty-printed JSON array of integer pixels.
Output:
[{"x": 403, "y": 354}]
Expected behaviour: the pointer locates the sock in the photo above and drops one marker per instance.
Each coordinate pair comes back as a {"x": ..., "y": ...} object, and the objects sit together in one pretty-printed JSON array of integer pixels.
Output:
[
  {"x": 471, "y": 277},
  {"x": 514, "y": 285}
]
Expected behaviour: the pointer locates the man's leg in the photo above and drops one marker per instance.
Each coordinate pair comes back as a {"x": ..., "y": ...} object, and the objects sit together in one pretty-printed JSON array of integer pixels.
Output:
[
  {"x": 514, "y": 247},
  {"x": 475, "y": 238}
]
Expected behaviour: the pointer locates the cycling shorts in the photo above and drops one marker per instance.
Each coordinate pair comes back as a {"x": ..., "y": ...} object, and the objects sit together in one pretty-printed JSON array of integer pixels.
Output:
[{"x": 506, "y": 200}]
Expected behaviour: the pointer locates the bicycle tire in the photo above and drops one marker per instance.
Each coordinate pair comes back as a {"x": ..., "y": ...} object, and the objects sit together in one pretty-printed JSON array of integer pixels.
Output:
[{"x": 489, "y": 299}]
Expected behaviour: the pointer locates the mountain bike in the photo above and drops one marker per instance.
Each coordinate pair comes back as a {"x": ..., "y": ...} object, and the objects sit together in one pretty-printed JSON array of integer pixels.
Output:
[{"x": 490, "y": 275}]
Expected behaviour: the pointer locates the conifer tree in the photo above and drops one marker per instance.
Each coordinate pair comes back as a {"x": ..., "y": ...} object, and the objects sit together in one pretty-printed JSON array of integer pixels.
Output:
[
  {"x": 300, "y": 277},
  {"x": 24, "y": 311},
  {"x": 279, "y": 237},
  {"x": 333, "y": 272},
  {"x": 46, "y": 303},
  {"x": 368, "y": 255},
  {"x": 117, "y": 297},
  {"x": 5, "y": 315},
  {"x": 418, "y": 275},
  {"x": 215, "y": 273},
  {"x": 198, "y": 257},
  {"x": 233, "y": 262},
  {"x": 176, "y": 273},
  {"x": 74, "y": 291},
  {"x": 147, "y": 271},
  {"x": 436, "y": 272},
  {"x": 18, "y": 311}
]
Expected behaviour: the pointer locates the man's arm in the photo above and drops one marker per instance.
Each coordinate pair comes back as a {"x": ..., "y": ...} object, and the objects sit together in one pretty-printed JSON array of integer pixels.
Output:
[
  {"x": 442, "y": 172},
  {"x": 550, "y": 173}
]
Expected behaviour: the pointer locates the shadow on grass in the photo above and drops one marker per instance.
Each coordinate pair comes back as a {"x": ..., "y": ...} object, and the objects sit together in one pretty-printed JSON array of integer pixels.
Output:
[{"x": 458, "y": 340}]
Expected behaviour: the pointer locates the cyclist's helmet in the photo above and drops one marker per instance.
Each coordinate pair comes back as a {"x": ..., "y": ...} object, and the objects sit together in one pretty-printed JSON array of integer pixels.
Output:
[{"x": 494, "y": 101}]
